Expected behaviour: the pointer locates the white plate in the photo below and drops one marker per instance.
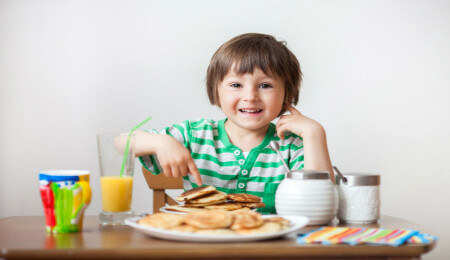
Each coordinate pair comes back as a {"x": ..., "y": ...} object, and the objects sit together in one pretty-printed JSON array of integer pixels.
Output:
[{"x": 297, "y": 222}]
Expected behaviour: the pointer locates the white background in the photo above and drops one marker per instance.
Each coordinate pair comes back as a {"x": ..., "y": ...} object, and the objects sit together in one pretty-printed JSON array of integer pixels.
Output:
[{"x": 376, "y": 75}]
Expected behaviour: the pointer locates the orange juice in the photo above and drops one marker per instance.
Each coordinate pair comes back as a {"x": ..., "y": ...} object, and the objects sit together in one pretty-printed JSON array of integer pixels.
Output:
[{"x": 116, "y": 193}]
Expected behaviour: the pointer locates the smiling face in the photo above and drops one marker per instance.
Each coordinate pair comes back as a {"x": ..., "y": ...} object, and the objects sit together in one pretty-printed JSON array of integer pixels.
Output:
[{"x": 250, "y": 101}]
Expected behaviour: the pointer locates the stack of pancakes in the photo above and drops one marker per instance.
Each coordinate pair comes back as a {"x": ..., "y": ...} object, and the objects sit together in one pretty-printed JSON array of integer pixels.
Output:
[
  {"x": 209, "y": 198},
  {"x": 216, "y": 222}
]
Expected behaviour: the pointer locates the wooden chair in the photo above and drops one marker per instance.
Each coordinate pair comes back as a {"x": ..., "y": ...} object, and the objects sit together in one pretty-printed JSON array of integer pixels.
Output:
[{"x": 159, "y": 184}]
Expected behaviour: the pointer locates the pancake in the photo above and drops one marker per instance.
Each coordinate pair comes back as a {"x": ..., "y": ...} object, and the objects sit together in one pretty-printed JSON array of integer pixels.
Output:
[
  {"x": 243, "y": 197},
  {"x": 216, "y": 222},
  {"x": 195, "y": 193},
  {"x": 252, "y": 205},
  {"x": 185, "y": 228},
  {"x": 282, "y": 221},
  {"x": 211, "y": 197},
  {"x": 162, "y": 220},
  {"x": 246, "y": 220},
  {"x": 264, "y": 228},
  {"x": 210, "y": 219},
  {"x": 201, "y": 205},
  {"x": 180, "y": 208},
  {"x": 225, "y": 206},
  {"x": 241, "y": 210}
]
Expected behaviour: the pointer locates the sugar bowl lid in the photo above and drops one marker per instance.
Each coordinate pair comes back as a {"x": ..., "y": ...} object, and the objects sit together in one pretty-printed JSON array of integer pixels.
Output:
[
  {"x": 308, "y": 175},
  {"x": 362, "y": 179}
]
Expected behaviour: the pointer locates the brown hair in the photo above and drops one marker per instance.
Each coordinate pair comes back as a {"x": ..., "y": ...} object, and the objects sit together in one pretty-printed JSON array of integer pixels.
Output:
[{"x": 253, "y": 50}]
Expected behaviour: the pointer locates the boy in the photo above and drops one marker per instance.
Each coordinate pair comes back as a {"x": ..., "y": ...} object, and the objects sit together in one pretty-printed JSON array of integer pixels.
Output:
[{"x": 254, "y": 79}]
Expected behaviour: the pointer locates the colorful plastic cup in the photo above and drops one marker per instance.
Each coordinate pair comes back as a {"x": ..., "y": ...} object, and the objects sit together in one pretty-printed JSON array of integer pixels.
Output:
[{"x": 65, "y": 196}]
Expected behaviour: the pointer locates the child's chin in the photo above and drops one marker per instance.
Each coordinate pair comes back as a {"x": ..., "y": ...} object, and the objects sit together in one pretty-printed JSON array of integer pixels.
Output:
[{"x": 254, "y": 126}]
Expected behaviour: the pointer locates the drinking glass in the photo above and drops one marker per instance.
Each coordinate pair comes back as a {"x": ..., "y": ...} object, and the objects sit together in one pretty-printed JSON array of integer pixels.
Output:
[{"x": 116, "y": 177}]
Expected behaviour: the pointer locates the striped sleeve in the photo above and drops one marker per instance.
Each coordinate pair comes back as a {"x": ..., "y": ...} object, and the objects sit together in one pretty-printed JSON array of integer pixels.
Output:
[
  {"x": 297, "y": 158},
  {"x": 179, "y": 132}
]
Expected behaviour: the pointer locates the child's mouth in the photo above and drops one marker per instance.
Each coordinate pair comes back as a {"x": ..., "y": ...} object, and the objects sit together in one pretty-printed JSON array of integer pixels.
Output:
[{"x": 250, "y": 111}]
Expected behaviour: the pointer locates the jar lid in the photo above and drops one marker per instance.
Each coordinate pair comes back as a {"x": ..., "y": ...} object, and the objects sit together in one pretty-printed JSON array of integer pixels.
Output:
[
  {"x": 308, "y": 175},
  {"x": 361, "y": 179}
]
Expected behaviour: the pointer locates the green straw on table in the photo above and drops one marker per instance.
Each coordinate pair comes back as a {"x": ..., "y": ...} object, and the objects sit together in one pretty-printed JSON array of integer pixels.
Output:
[{"x": 127, "y": 147}]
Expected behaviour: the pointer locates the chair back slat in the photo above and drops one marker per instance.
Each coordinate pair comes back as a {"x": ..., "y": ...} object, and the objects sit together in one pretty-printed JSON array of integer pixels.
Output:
[{"x": 159, "y": 184}]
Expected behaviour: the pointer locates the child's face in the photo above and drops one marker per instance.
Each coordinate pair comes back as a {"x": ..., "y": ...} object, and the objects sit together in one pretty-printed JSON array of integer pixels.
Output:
[{"x": 251, "y": 101}]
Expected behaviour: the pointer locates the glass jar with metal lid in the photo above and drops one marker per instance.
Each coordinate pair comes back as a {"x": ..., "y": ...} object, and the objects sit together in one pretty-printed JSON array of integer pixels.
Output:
[
  {"x": 309, "y": 193},
  {"x": 359, "y": 198}
]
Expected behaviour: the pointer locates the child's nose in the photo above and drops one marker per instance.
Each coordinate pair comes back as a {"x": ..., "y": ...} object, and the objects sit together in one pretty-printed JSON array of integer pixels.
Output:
[{"x": 251, "y": 94}]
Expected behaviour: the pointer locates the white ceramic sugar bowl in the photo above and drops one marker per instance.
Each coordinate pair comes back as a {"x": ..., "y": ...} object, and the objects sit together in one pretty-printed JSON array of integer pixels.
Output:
[
  {"x": 308, "y": 193},
  {"x": 359, "y": 198}
]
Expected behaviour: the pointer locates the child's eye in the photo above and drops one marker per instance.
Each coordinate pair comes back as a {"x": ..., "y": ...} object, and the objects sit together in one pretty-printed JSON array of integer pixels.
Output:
[
  {"x": 235, "y": 85},
  {"x": 264, "y": 85}
]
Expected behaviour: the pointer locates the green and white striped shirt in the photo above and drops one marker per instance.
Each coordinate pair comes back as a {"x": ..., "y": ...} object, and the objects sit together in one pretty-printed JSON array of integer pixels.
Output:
[{"x": 223, "y": 165}]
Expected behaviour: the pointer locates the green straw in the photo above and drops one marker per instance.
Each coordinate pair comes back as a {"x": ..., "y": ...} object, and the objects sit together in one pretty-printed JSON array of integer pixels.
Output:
[{"x": 127, "y": 147}]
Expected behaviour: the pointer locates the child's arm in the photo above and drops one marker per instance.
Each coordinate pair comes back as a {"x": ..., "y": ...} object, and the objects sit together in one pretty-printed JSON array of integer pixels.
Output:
[
  {"x": 174, "y": 158},
  {"x": 314, "y": 139}
]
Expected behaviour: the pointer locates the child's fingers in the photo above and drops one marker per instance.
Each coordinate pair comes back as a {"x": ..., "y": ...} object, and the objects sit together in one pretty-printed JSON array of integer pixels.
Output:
[
  {"x": 281, "y": 126},
  {"x": 175, "y": 171},
  {"x": 195, "y": 173},
  {"x": 283, "y": 120},
  {"x": 280, "y": 134},
  {"x": 184, "y": 170},
  {"x": 280, "y": 131},
  {"x": 166, "y": 170},
  {"x": 292, "y": 109}
]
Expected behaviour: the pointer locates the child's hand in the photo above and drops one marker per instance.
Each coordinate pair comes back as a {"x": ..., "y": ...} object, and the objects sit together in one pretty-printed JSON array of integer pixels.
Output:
[
  {"x": 297, "y": 123},
  {"x": 176, "y": 160},
  {"x": 314, "y": 139}
]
